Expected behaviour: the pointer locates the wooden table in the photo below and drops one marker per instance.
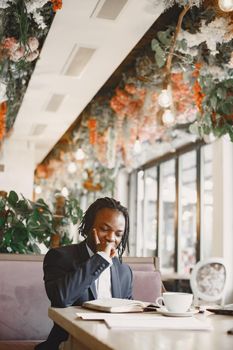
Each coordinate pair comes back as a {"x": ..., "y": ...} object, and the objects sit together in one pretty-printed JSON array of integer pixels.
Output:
[{"x": 94, "y": 335}]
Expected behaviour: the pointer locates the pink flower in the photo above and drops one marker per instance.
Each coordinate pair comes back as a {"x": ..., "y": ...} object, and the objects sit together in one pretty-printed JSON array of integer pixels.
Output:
[
  {"x": 33, "y": 43},
  {"x": 18, "y": 54},
  {"x": 32, "y": 56},
  {"x": 10, "y": 44}
]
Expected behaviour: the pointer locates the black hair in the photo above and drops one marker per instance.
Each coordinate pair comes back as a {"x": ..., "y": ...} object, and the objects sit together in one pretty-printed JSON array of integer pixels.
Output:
[{"x": 90, "y": 214}]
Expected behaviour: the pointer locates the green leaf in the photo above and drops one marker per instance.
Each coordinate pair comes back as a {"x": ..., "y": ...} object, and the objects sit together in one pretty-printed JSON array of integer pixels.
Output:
[
  {"x": 164, "y": 37},
  {"x": 2, "y": 203},
  {"x": 213, "y": 102},
  {"x": 182, "y": 45},
  {"x": 7, "y": 237},
  {"x": 23, "y": 205},
  {"x": 221, "y": 93},
  {"x": 12, "y": 198},
  {"x": 229, "y": 83},
  {"x": 227, "y": 107},
  {"x": 230, "y": 131},
  {"x": 154, "y": 44},
  {"x": 35, "y": 248},
  {"x": 207, "y": 119},
  {"x": 193, "y": 128},
  {"x": 160, "y": 57},
  {"x": 2, "y": 222}
]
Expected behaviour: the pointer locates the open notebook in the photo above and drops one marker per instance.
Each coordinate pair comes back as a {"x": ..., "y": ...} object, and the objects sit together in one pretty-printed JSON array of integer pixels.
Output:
[
  {"x": 116, "y": 305},
  {"x": 222, "y": 310}
]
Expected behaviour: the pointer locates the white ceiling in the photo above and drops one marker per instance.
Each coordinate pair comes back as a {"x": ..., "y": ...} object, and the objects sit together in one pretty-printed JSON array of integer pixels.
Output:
[{"x": 77, "y": 26}]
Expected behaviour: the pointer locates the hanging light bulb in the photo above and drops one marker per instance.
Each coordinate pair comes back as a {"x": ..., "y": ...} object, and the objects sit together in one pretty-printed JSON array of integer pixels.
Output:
[
  {"x": 65, "y": 191},
  {"x": 165, "y": 99},
  {"x": 38, "y": 189},
  {"x": 137, "y": 146},
  {"x": 168, "y": 117},
  {"x": 71, "y": 167},
  {"x": 79, "y": 154},
  {"x": 226, "y": 5}
]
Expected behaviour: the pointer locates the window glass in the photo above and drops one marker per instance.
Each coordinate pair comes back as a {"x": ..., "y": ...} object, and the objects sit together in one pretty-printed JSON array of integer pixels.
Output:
[
  {"x": 151, "y": 194},
  {"x": 167, "y": 214},
  {"x": 150, "y": 211},
  {"x": 132, "y": 213},
  {"x": 188, "y": 212},
  {"x": 207, "y": 204},
  {"x": 140, "y": 213}
]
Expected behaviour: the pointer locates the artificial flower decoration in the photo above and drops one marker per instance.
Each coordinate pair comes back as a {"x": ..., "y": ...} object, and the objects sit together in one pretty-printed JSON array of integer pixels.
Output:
[
  {"x": 191, "y": 61},
  {"x": 24, "y": 26}
]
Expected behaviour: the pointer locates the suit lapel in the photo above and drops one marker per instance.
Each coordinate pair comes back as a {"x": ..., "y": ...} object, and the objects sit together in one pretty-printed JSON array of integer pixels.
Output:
[
  {"x": 83, "y": 252},
  {"x": 115, "y": 281}
]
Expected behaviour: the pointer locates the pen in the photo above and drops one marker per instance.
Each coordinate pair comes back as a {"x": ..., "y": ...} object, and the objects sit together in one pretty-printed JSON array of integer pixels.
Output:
[{"x": 230, "y": 331}]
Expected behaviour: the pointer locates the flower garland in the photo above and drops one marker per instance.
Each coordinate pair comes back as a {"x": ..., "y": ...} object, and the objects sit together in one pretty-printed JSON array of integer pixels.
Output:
[
  {"x": 24, "y": 26},
  {"x": 205, "y": 54},
  {"x": 200, "y": 74}
]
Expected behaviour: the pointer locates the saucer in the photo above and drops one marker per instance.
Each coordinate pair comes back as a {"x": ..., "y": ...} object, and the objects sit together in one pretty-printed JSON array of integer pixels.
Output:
[{"x": 165, "y": 312}]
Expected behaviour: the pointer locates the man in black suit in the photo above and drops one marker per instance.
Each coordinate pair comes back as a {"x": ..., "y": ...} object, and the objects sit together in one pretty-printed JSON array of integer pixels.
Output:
[{"x": 91, "y": 269}]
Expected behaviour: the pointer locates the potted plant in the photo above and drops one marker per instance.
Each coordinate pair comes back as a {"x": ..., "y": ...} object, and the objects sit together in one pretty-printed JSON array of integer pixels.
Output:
[{"x": 25, "y": 224}]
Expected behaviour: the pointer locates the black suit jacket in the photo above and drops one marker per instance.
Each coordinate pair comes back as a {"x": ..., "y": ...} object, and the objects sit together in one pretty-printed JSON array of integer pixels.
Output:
[{"x": 70, "y": 274}]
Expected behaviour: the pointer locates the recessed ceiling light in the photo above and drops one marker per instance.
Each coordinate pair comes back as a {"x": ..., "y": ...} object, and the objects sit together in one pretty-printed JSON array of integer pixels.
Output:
[
  {"x": 54, "y": 103},
  {"x": 37, "y": 129},
  {"x": 108, "y": 9},
  {"x": 77, "y": 60}
]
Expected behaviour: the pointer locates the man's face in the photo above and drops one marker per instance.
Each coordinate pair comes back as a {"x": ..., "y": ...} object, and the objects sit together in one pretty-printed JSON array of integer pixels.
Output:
[{"x": 109, "y": 226}]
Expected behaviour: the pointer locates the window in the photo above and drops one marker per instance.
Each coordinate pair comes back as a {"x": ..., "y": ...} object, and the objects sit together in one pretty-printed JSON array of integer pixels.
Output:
[
  {"x": 167, "y": 216},
  {"x": 207, "y": 202},
  {"x": 188, "y": 211},
  {"x": 171, "y": 204}
]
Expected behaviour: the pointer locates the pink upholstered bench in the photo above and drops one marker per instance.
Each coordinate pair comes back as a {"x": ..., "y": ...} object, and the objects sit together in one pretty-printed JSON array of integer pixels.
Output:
[
  {"x": 147, "y": 284},
  {"x": 23, "y": 302}
]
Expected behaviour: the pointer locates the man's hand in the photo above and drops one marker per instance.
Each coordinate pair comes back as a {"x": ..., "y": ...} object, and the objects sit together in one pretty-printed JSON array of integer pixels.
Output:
[{"x": 104, "y": 245}]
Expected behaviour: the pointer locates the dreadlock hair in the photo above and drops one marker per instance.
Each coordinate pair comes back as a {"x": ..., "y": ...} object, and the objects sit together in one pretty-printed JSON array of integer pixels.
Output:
[{"x": 90, "y": 214}]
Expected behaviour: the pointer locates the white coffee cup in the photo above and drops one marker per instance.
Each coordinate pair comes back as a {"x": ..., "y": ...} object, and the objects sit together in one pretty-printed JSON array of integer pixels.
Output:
[{"x": 175, "y": 302}]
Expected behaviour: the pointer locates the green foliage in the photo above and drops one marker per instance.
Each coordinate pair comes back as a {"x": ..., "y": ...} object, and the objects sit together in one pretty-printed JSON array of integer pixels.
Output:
[
  {"x": 215, "y": 98},
  {"x": 217, "y": 114},
  {"x": 73, "y": 211},
  {"x": 24, "y": 224},
  {"x": 161, "y": 45}
]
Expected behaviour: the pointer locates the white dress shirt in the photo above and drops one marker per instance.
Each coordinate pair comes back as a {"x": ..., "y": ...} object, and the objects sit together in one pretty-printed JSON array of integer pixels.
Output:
[{"x": 103, "y": 283}]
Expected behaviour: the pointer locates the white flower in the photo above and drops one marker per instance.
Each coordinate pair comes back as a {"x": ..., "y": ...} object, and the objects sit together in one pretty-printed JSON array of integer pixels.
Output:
[
  {"x": 4, "y": 4},
  {"x": 39, "y": 20},
  {"x": 33, "y": 5},
  {"x": 230, "y": 64},
  {"x": 170, "y": 3},
  {"x": 212, "y": 34},
  {"x": 216, "y": 71},
  {"x": 3, "y": 96}
]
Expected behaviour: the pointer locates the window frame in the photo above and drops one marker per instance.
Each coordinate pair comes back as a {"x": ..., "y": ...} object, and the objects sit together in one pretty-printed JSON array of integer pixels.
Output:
[{"x": 198, "y": 148}]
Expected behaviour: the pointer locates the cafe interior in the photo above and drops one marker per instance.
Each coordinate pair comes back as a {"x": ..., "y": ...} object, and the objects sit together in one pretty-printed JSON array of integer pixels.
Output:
[{"x": 130, "y": 99}]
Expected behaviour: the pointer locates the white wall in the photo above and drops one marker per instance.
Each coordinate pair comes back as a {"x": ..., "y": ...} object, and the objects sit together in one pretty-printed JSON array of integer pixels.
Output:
[
  {"x": 121, "y": 187},
  {"x": 18, "y": 160},
  {"x": 222, "y": 244}
]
